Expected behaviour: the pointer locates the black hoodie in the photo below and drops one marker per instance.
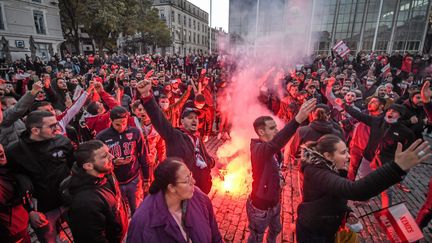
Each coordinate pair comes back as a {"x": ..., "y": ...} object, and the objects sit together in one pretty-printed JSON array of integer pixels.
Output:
[
  {"x": 312, "y": 132},
  {"x": 97, "y": 212}
]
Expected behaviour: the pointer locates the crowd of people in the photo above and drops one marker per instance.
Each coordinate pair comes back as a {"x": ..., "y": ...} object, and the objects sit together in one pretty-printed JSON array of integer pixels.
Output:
[{"x": 115, "y": 146}]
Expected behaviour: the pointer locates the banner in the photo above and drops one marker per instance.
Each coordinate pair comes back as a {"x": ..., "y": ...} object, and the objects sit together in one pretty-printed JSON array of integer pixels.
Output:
[
  {"x": 398, "y": 224},
  {"x": 341, "y": 49},
  {"x": 385, "y": 69}
]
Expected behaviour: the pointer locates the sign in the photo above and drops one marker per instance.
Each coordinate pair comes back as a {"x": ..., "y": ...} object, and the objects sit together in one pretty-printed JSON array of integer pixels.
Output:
[
  {"x": 398, "y": 224},
  {"x": 19, "y": 44},
  {"x": 341, "y": 49}
]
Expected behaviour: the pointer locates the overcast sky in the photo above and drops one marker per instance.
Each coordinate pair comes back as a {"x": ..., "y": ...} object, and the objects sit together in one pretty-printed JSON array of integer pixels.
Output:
[{"x": 220, "y": 11}]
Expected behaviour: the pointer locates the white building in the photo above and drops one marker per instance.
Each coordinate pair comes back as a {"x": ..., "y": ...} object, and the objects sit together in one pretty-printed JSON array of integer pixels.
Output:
[
  {"x": 22, "y": 19},
  {"x": 219, "y": 40},
  {"x": 188, "y": 24}
]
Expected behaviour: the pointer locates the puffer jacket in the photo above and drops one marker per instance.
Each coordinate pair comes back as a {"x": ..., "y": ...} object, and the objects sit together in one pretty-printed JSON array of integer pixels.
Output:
[
  {"x": 11, "y": 126},
  {"x": 97, "y": 212},
  {"x": 326, "y": 191},
  {"x": 47, "y": 163}
]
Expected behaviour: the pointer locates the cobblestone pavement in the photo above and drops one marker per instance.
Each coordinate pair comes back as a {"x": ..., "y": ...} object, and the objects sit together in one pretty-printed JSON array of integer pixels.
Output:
[{"x": 230, "y": 209}]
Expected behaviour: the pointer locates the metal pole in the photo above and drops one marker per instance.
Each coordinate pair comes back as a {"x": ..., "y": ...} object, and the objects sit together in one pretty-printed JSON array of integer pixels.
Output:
[
  {"x": 210, "y": 51},
  {"x": 422, "y": 42},
  {"x": 377, "y": 25},
  {"x": 365, "y": 12},
  {"x": 308, "y": 47},
  {"x": 335, "y": 20},
  {"x": 256, "y": 26}
]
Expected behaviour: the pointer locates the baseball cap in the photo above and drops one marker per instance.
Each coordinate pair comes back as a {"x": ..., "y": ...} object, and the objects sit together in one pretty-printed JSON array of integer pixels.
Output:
[{"x": 188, "y": 111}]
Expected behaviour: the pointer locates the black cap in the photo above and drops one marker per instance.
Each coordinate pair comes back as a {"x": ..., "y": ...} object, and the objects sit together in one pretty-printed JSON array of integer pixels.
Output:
[
  {"x": 398, "y": 108},
  {"x": 118, "y": 112},
  {"x": 325, "y": 107},
  {"x": 189, "y": 110}
]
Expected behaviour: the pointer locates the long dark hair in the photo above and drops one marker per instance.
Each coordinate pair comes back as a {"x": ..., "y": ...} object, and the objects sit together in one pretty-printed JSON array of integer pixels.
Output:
[{"x": 165, "y": 174}]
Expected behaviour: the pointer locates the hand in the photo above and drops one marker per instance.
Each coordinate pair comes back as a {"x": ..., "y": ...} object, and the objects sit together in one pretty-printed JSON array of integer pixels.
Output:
[
  {"x": 36, "y": 88},
  {"x": 205, "y": 139},
  {"x": 414, "y": 120},
  {"x": 305, "y": 109},
  {"x": 331, "y": 81},
  {"x": 37, "y": 219},
  {"x": 339, "y": 101},
  {"x": 416, "y": 153},
  {"x": 203, "y": 71},
  {"x": 426, "y": 93},
  {"x": 98, "y": 87},
  {"x": 90, "y": 87},
  {"x": 149, "y": 74},
  {"x": 144, "y": 88}
]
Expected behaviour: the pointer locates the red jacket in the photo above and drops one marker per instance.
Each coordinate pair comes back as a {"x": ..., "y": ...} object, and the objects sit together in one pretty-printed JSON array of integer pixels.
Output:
[{"x": 101, "y": 121}]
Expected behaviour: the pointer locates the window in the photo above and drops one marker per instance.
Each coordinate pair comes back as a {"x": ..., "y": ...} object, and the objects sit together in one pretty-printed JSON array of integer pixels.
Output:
[
  {"x": 42, "y": 51},
  {"x": 190, "y": 36},
  {"x": 194, "y": 37},
  {"x": 194, "y": 24},
  {"x": 198, "y": 38},
  {"x": 39, "y": 22},
  {"x": 172, "y": 16},
  {"x": 179, "y": 18},
  {"x": 184, "y": 20},
  {"x": 2, "y": 26},
  {"x": 199, "y": 27},
  {"x": 36, "y": 1},
  {"x": 190, "y": 23}
]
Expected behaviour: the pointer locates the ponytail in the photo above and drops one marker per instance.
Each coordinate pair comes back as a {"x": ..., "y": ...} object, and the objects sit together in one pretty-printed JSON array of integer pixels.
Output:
[{"x": 165, "y": 174}]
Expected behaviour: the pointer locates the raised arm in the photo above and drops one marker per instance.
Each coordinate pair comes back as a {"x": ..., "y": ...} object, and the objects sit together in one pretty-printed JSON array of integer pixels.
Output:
[
  {"x": 13, "y": 114},
  {"x": 158, "y": 119}
]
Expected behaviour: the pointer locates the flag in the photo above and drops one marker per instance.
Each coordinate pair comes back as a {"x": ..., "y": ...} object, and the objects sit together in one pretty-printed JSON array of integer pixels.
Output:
[
  {"x": 386, "y": 69},
  {"x": 341, "y": 49},
  {"x": 398, "y": 224}
]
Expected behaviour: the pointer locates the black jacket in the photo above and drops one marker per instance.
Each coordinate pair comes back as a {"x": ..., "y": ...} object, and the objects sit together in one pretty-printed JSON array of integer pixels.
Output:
[
  {"x": 179, "y": 144},
  {"x": 266, "y": 160},
  {"x": 428, "y": 109},
  {"x": 325, "y": 192},
  {"x": 47, "y": 165},
  {"x": 383, "y": 136},
  {"x": 312, "y": 132},
  {"x": 97, "y": 212}
]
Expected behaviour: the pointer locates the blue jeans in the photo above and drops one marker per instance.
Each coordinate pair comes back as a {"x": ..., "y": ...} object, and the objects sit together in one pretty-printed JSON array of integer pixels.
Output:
[
  {"x": 303, "y": 235},
  {"x": 129, "y": 193},
  {"x": 259, "y": 220}
]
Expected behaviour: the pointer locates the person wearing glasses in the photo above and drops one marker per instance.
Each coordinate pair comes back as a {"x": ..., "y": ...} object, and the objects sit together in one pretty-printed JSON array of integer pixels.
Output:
[
  {"x": 45, "y": 157},
  {"x": 175, "y": 211}
]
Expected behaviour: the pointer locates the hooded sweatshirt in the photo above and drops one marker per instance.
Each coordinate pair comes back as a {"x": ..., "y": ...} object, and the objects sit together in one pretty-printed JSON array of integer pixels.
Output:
[{"x": 97, "y": 212}]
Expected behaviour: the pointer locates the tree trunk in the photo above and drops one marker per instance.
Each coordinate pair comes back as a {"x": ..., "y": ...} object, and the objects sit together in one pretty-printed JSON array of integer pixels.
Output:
[{"x": 101, "y": 45}]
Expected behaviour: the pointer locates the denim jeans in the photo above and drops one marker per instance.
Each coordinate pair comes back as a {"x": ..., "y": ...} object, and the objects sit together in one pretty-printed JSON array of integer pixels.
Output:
[
  {"x": 48, "y": 233},
  {"x": 129, "y": 193},
  {"x": 303, "y": 235},
  {"x": 259, "y": 220}
]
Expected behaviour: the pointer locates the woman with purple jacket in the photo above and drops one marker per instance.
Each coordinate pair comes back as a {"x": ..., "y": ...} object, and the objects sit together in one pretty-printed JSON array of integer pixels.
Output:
[{"x": 175, "y": 210}]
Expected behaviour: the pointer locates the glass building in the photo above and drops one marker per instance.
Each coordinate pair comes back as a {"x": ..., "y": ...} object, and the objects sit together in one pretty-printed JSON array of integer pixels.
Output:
[{"x": 371, "y": 25}]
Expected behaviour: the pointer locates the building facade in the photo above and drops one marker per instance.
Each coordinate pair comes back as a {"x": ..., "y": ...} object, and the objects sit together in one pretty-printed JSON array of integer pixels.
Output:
[
  {"x": 188, "y": 24},
  {"x": 30, "y": 27},
  {"x": 218, "y": 40},
  {"x": 371, "y": 25}
]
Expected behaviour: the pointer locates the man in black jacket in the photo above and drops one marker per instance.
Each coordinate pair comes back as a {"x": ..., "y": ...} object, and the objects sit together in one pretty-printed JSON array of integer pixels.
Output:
[
  {"x": 263, "y": 205},
  {"x": 181, "y": 142},
  {"x": 97, "y": 212},
  {"x": 45, "y": 157}
]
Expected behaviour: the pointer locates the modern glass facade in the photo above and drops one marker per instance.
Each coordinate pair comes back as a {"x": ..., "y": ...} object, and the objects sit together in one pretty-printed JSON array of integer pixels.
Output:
[{"x": 371, "y": 25}]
